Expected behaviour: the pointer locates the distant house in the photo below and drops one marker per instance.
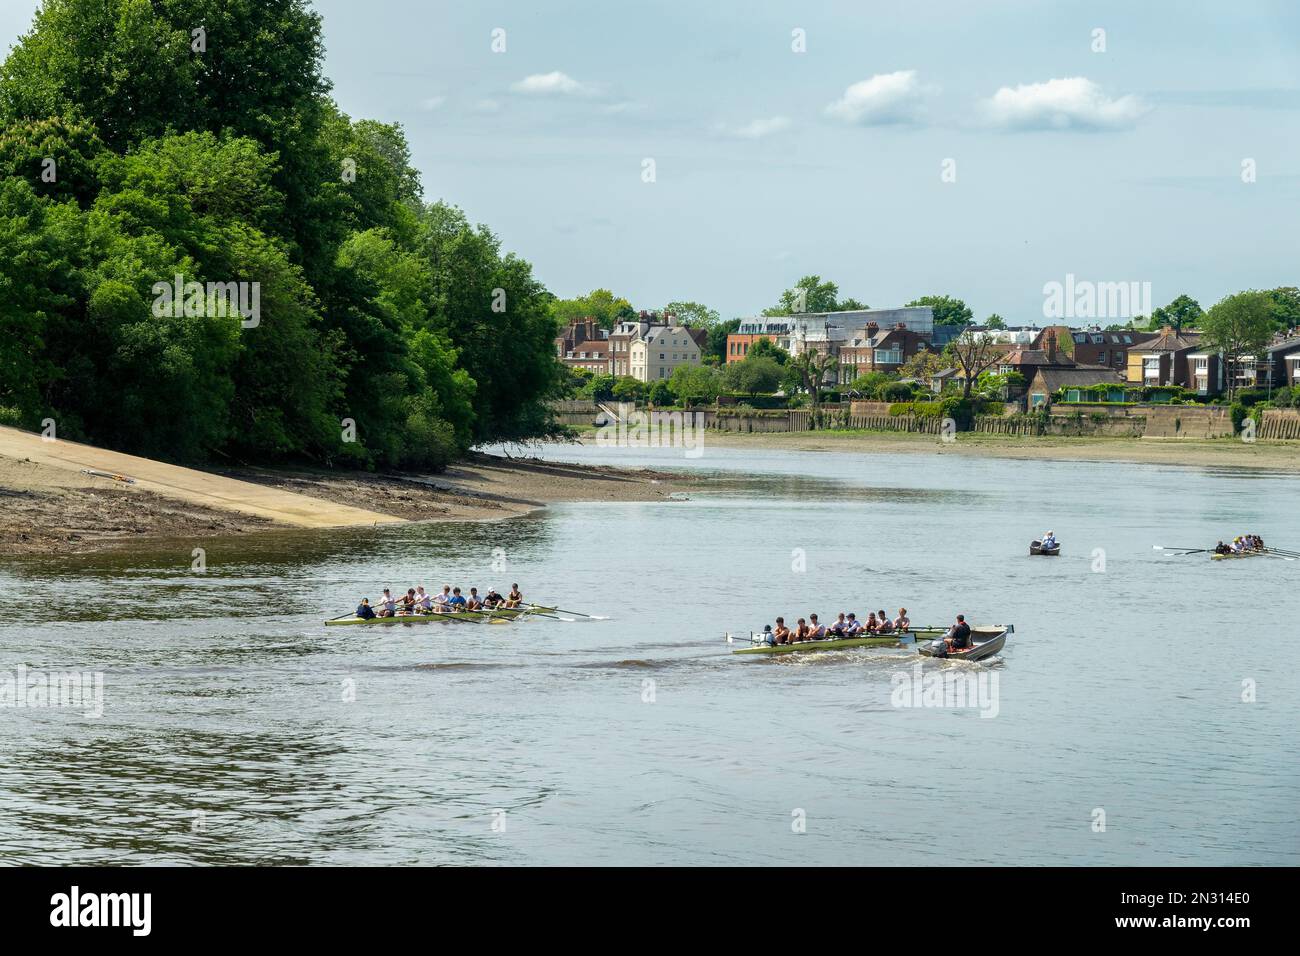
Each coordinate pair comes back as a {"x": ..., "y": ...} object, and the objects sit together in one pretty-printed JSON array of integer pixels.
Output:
[
  {"x": 584, "y": 345},
  {"x": 825, "y": 332},
  {"x": 1072, "y": 382},
  {"x": 1027, "y": 361},
  {"x": 1097, "y": 347},
  {"x": 1174, "y": 358},
  {"x": 656, "y": 355},
  {"x": 1282, "y": 363},
  {"x": 878, "y": 351}
]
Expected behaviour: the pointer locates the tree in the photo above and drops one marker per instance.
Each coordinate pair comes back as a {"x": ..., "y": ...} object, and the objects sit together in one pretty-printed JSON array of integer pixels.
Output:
[
  {"x": 1180, "y": 313},
  {"x": 754, "y": 375},
  {"x": 694, "y": 384},
  {"x": 766, "y": 348},
  {"x": 810, "y": 369},
  {"x": 811, "y": 294},
  {"x": 995, "y": 321},
  {"x": 947, "y": 310},
  {"x": 599, "y": 304},
  {"x": 717, "y": 347},
  {"x": 924, "y": 365},
  {"x": 872, "y": 384},
  {"x": 691, "y": 314},
  {"x": 1285, "y": 307},
  {"x": 972, "y": 353},
  {"x": 1237, "y": 326}
]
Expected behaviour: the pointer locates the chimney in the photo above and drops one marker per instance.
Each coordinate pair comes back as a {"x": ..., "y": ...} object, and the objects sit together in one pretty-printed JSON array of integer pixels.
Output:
[
  {"x": 872, "y": 329},
  {"x": 1051, "y": 345},
  {"x": 591, "y": 328}
]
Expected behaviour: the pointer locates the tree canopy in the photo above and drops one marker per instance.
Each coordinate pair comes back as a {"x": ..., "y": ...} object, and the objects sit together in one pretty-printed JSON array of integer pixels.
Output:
[
  {"x": 947, "y": 310},
  {"x": 811, "y": 294},
  {"x": 157, "y": 150}
]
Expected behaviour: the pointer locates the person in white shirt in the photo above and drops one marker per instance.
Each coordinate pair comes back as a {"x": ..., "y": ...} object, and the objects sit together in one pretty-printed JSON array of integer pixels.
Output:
[
  {"x": 387, "y": 606},
  {"x": 442, "y": 603},
  {"x": 423, "y": 603}
]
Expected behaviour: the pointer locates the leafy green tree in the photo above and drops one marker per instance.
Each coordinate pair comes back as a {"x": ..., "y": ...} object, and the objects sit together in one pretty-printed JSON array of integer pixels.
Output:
[
  {"x": 811, "y": 369},
  {"x": 695, "y": 384},
  {"x": 995, "y": 321},
  {"x": 661, "y": 395},
  {"x": 766, "y": 348},
  {"x": 629, "y": 389},
  {"x": 811, "y": 294},
  {"x": 56, "y": 155},
  {"x": 692, "y": 314},
  {"x": 1237, "y": 326},
  {"x": 599, "y": 304},
  {"x": 756, "y": 374},
  {"x": 972, "y": 354},
  {"x": 871, "y": 385},
  {"x": 1181, "y": 313},
  {"x": 1285, "y": 307},
  {"x": 947, "y": 310}
]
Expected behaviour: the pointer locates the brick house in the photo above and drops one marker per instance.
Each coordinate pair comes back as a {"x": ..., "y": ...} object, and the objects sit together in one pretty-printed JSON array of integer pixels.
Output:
[
  {"x": 1047, "y": 381},
  {"x": 1097, "y": 347},
  {"x": 1174, "y": 358},
  {"x": 873, "y": 350}
]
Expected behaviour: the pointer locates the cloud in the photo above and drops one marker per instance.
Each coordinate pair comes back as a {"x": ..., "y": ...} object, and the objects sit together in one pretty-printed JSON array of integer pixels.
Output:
[
  {"x": 554, "y": 83},
  {"x": 433, "y": 102},
  {"x": 886, "y": 98},
  {"x": 1073, "y": 103},
  {"x": 757, "y": 129}
]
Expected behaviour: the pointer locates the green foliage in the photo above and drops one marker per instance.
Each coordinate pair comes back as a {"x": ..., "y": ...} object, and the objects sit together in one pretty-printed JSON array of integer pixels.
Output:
[
  {"x": 766, "y": 348},
  {"x": 947, "y": 310},
  {"x": 599, "y": 304},
  {"x": 757, "y": 373},
  {"x": 230, "y": 164},
  {"x": 871, "y": 386},
  {"x": 661, "y": 395},
  {"x": 811, "y": 294},
  {"x": 1181, "y": 313},
  {"x": 695, "y": 384}
]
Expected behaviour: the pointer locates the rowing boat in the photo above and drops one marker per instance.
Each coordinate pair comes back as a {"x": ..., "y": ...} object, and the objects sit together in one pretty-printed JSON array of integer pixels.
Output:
[
  {"x": 985, "y": 642},
  {"x": 1036, "y": 547},
  {"x": 1238, "y": 554},
  {"x": 495, "y": 614},
  {"x": 832, "y": 644}
]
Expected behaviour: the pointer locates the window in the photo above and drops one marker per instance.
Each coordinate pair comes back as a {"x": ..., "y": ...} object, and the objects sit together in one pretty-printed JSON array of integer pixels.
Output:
[
  {"x": 1151, "y": 366},
  {"x": 892, "y": 356},
  {"x": 1101, "y": 357},
  {"x": 661, "y": 356},
  {"x": 1072, "y": 395},
  {"x": 1037, "y": 399},
  {"x": 661, "y": 371},
  {"x": 1128, "y": 340}
]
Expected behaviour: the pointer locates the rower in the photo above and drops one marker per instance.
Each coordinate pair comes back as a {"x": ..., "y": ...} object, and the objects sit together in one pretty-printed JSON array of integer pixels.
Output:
[
  {"x": 872, "y": 624},
  {"x": 902, "y": 623},
  {"x": 423, "y": 602},
  {"x": 767, "y": 638},
  {"x": 492, "y": 598},
  {"x": 854, "y": 627},
  {"x": 958, "y": 636},
  {"x": 387, "y": 606},
  {"x": 841, "y": 626},
  {"x": 884, "y": 625},
  {"x": 408, "y": 601},
  {"x": 364, "y": 610},
  {"x": 475, "y": 603},
  {"x": 801, "y": 630},
  {"x": 514, "y": 598},
  {"x": 782, "y": 633},
  {"x": 457, "y": 601},
  {"x": 1049, "y": 541},
  {"x": 1222, "y": 548},
  {"x": 442, "y": 603},
  {"x": 816, "y": 631}
]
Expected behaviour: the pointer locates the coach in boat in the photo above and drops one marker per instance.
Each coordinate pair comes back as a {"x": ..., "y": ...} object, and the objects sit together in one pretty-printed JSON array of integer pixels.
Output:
[{"x": 957, "y": 639}]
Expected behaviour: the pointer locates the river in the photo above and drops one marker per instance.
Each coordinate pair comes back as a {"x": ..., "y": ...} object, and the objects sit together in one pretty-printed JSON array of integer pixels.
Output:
[{"x": 1139, "y": 714}]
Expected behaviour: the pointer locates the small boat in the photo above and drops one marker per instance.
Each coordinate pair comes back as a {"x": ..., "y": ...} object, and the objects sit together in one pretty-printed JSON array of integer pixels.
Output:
[
  {"x": 494, "y": 614},
  {"x": 1254, "y": 553},
  {"x": 827, "y": 644},
  {"x": 1036, "y": 547},
  {"x": 985, "y": 642}
]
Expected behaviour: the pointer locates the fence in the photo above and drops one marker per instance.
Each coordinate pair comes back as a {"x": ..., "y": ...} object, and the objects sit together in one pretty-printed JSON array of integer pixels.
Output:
[
  {"x": 1280, "y": 424},
  {"x": 998, "y": 425}
]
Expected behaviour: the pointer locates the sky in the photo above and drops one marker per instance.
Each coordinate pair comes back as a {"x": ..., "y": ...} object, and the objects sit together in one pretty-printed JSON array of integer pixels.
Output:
[{"x": 898, "y": 149}]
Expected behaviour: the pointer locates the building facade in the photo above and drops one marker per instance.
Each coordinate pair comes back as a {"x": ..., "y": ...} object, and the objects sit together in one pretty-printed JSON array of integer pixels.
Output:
[{"x": 656, "y": 355}]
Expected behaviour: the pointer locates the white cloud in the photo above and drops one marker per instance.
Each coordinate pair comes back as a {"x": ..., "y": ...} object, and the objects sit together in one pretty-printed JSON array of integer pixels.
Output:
[
  {"x": 1071, "y": 103},
  {"x": 433, "y": 102},
  {"x": 897, "y": 97},
  {"x": 757, "y": 129},
  {"x": 554, "y": 83}
]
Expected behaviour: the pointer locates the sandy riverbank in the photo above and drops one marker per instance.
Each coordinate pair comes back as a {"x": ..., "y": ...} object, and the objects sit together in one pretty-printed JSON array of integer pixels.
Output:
[
  {"x": 47, "y": 509},
  {"x": 1228, "y": 453}
]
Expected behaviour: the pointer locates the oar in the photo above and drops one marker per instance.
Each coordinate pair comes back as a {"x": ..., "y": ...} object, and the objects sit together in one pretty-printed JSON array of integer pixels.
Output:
[
  {"x": 1283, "y": 551},
  {"x": 559, "y": 610},
  {"x": 1185, "y": 551}
]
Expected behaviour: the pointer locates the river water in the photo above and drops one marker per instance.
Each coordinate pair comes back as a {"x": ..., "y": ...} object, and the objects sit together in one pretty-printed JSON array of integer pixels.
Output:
[{"x": 1143, "y": 712}]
